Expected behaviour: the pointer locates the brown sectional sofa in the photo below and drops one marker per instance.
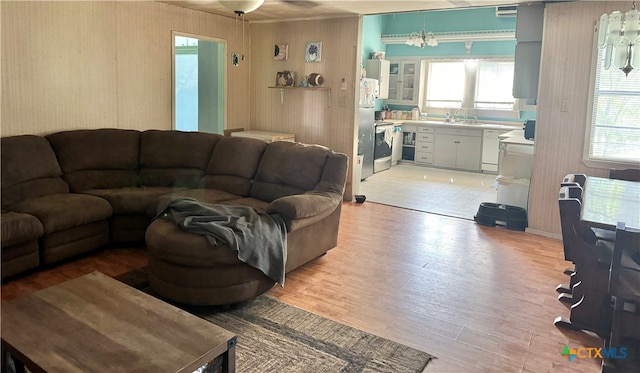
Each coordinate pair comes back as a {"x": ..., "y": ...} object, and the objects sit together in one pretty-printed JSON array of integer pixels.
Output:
[{"x": 74, "y": 191}]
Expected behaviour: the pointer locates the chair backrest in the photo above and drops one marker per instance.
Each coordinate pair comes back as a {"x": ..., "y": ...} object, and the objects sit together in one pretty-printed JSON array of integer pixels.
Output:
[
  {"x": 578, "y": 241},
  {"x": 571, "y": 191},
  {"x": 630, "y": 174},
  {"x": 627, "y": 245},
  {"x": 574, "y": 179}
]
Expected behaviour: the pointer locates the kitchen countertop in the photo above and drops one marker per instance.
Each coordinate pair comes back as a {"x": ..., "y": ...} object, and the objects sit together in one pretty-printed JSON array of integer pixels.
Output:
[
  {"x": 433, "y": 123},
  {"x": 515, "y": 137}
]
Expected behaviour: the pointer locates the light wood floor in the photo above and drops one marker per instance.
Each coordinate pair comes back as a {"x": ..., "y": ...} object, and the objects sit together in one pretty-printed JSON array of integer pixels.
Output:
[{"x": 480, "y": 299}]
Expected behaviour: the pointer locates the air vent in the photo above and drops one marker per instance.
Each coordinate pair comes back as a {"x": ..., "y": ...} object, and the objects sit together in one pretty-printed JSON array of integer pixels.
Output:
[{"x": 506, "y": 11}]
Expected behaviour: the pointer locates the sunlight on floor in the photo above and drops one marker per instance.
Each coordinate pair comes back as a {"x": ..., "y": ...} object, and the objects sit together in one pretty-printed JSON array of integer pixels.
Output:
[{"x": 434, "y": 190}]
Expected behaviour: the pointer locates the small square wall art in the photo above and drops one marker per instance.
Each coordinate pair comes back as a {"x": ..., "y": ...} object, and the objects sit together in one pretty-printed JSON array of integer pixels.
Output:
[
  {"x": 313, "y": 51},
  {"x": 280, "y": 52}
]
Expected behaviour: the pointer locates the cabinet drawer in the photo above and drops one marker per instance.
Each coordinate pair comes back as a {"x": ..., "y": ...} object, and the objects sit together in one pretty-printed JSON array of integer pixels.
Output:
[
  {"x": 424, "y": 147},
  {"x": 408, "y": 127},
  {"x": 422, "y": 129},
  {"x": 424, "y": 157},
  {"x": 424, "y": 137},
  {"x": 459, "y": 131}
]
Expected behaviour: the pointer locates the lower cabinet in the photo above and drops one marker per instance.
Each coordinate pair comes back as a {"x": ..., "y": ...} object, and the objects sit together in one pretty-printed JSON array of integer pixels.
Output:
[
  {"x": 458, "y": 148},
  {"x": 396, "y": 149},
  {"x": 424, "y": 145}
]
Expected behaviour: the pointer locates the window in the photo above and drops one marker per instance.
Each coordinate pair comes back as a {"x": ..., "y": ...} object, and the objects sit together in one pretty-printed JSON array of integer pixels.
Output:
[
  {"x": 614, "y": 131},
  {"x": 445, "y": 86},
  {"x": 494, "y": 86},
  {"x": 484, "y": 85}
]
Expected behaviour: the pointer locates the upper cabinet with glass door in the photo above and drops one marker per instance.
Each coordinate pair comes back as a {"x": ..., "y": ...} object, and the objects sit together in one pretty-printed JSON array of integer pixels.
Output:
[{"x": 404, "y": 82}]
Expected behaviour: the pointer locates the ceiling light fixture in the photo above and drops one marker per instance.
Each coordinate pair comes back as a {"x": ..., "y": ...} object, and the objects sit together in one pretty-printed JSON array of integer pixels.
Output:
[
  {"x": 240, "y": 8},
  {"x": 432, "y": 41},
  {"x": 620, "y": 38},
  {"x": 420, "y": 39}
]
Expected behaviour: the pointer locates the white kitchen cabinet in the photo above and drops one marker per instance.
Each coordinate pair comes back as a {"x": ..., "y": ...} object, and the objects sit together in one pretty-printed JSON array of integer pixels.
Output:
[
  {"x": 458, "y": 148},
  {"x": 405, "y": 82},
  {"x": 379, "y": 69},
  {"x": 490, "y": 150},
  {"x": 396, "y": 149},
  {"x": 424, "y": 145}
]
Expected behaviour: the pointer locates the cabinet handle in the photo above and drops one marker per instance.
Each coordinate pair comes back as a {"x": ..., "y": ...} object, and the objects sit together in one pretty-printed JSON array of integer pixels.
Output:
[{"x": 456, "y": 142}]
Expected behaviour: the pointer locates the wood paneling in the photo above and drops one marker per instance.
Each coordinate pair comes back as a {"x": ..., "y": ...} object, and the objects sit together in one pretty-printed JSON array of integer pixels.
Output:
[
  {"x": 68, "y": 65},
  {"x": 564, "y": 76},
  {"x": 316, "y": 117},
  {"x": 58, "y": 66}
]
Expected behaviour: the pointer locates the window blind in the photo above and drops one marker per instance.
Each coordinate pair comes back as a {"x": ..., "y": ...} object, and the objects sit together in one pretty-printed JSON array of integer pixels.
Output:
[{"x": 615, "y": 124}]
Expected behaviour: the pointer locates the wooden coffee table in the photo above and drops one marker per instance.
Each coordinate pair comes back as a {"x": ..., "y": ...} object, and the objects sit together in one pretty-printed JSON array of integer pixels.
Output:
[{"x": 97, "y": 324}]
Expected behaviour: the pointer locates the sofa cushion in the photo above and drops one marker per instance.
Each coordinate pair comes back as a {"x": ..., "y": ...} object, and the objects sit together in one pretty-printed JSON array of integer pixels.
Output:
[
  {"x": 29, "y": 169},
  {"x": 130, "y": 201},
  {"x": 233, "y": 164},
  {"x": 259, "y": 205},
  {"x": 97, "y": 159},
  {"x": 288, "y": 168},
  {"x": 63, "y": 211},
  {"x": 19, "y": 228},
  {"x": 174, "y": 158},
  {"x": 202, "y": 195}
]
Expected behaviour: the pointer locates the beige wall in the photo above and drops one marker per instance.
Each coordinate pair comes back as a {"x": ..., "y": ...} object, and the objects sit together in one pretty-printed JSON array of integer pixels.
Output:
[
  {"x": 95, "y": 64},
  {"x": 316, "y": 117},
  {"x": 564, "y": 75},
  {"x": 68, "y": 65}
]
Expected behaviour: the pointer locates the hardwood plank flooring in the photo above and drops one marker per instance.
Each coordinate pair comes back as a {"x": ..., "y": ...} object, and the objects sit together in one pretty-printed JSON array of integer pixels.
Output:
[{"x": 481, "y": 299}]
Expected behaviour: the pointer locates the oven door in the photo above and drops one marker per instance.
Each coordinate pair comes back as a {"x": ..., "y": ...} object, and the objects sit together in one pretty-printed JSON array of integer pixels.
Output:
[{"x": 381, "y": 148}]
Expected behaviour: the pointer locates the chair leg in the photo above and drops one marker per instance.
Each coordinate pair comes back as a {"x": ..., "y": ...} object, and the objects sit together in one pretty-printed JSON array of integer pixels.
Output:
[{"x": 564, "y": 289}]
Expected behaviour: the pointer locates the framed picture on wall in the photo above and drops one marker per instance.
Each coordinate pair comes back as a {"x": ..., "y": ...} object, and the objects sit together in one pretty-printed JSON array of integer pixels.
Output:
[
  {"x": 285, "y": 79},
  {"x": 280, "y": 52},
  {"x": 313, "y": 51}
]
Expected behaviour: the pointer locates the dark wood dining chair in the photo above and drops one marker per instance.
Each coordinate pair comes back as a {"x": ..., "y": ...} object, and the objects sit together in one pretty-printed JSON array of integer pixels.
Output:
[
  {"x": 629, "y": 174},
  {"x": 590, "y": 309},
  {"x": 568, "y": 190},
  {"x": 574, "y": 179},
  {"x": 624, "y": 289}
]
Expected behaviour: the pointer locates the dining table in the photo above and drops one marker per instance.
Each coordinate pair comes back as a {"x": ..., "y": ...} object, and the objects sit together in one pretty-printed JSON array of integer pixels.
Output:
[{"x": 605, "y": 202}]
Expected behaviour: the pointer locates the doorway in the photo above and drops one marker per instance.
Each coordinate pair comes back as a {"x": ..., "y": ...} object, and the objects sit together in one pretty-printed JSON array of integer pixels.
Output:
[{"x": 199, "y": 83}]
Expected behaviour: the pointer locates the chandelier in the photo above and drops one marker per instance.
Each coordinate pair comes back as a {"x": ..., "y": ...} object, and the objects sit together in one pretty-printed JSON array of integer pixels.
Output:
[
  {"x": 420, "y": 39},
  {"x": 618, "y": 35}
]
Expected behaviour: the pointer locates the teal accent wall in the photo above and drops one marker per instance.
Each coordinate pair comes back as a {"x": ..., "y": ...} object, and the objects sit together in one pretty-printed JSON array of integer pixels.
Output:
[
  {"x": 475, "y": 19},
  {"x": 372, "y": 28},
  {"x": 455, "y": 20},
  {"x": 458, "y": 20}
]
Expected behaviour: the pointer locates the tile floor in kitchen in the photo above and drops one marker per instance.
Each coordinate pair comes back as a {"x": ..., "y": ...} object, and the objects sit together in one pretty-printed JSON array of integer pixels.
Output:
[{"x": 433, "y": 190}]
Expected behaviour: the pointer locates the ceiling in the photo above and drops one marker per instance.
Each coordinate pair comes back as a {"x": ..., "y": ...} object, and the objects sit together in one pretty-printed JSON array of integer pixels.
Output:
[{"x": 279, "y": 10}]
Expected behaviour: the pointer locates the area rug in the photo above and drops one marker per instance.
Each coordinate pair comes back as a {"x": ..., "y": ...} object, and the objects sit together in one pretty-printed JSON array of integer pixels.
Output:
[{"x": 276, "y": 337}]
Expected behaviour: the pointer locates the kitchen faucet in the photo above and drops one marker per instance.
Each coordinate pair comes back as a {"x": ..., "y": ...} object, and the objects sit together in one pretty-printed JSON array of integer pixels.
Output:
[{"x": 464, "y": 117}]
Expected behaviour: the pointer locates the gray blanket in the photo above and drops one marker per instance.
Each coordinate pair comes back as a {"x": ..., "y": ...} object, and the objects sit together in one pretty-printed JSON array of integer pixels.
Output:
[{"x": 259, "y": 239}]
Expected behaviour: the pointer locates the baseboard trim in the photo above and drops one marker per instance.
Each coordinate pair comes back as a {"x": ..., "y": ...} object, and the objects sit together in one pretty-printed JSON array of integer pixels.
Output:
[{"x": 545, "y": 234}]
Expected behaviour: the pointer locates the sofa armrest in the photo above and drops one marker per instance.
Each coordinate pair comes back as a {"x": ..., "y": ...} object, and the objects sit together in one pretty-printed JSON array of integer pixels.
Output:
[{"x": 307, "y": 205}]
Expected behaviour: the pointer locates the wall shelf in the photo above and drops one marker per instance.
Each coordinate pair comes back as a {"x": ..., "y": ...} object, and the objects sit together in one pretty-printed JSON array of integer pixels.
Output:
[{"x": 283, "y": 88}]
